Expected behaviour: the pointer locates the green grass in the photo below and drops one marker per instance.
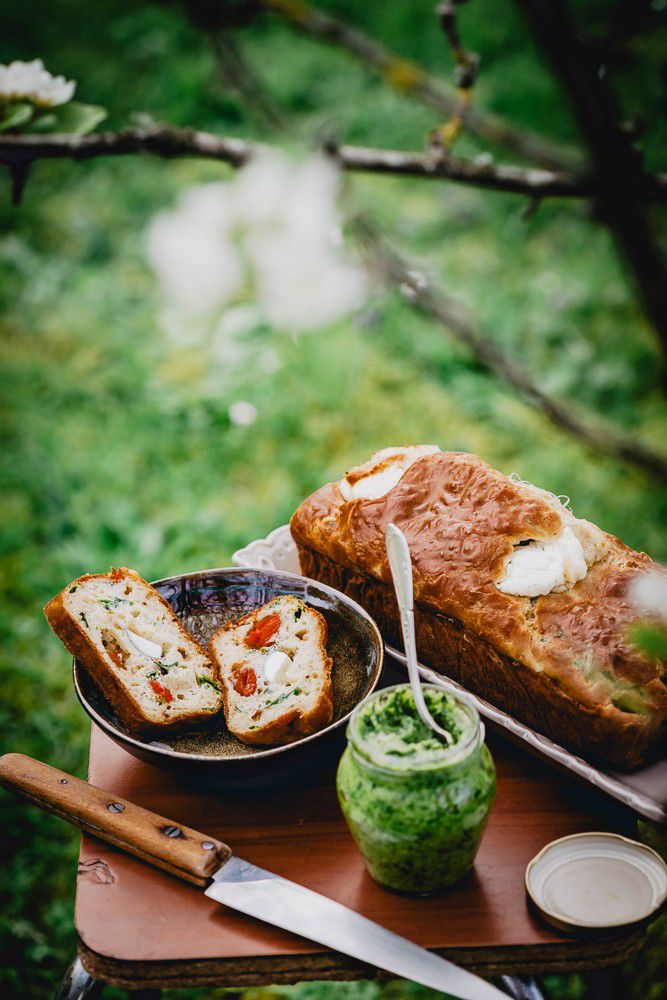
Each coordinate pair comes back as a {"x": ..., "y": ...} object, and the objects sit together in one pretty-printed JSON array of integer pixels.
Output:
[{"x": 115, "y": 444}]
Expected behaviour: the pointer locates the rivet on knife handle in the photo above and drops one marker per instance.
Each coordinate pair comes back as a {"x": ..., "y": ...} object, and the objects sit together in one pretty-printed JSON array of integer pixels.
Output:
[{"x": 176, "y": 848}]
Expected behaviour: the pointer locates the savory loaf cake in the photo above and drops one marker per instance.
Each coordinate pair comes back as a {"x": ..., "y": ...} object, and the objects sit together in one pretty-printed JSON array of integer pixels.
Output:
[
  {"x": 515, "y": 597},
  {"x": 151, "y": 670},
  {"x": 275, "y": 672}
]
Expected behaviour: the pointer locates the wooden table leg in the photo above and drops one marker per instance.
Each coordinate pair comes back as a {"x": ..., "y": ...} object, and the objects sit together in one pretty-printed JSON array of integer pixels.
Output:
[
  {"x": 78, "y": 985},
  {"x": 522, "y": 987}
]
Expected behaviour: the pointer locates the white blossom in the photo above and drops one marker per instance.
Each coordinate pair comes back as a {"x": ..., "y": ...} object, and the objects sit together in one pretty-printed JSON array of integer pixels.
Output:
[
  {"x": 293, "y": 240},
  {"x": 648, "y": 592},
  {"x": 196, "y": 262},
  {"x": 273, "y": 191},
  {"x": 260, "y": 187},
  {"x": 274, "y": 229},
  {"x": 211, "y": 204},
  {"x": 30, "y": 81},
  {"x": 300, "y": 287},
  {"x": 242, "y": 413}
]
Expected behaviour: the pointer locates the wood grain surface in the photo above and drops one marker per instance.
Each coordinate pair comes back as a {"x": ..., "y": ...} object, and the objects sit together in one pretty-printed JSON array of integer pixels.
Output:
[{"x": 139, "y": 925}]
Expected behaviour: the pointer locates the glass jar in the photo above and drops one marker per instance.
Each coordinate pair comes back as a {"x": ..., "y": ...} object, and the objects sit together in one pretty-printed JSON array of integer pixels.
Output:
[{"x": 416, "y": 808}]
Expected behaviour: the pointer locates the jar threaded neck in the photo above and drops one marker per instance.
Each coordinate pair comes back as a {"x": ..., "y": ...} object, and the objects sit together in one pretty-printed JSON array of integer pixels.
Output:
[{"x": 371, "y": 751}]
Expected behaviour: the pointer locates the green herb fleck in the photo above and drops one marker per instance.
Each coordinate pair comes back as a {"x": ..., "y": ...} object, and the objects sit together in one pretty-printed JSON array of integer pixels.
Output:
[
  {"x": 112, "y": 602},
  {"x": 83, "y": 618},
  {"x": 280, "y": 699},
  {"x": 297, "y": 690},
  {"x": 207, "y": 680}
]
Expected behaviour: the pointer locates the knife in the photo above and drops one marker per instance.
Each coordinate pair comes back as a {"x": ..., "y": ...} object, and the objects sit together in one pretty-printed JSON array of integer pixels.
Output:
[{"x": 210, "y": 864}]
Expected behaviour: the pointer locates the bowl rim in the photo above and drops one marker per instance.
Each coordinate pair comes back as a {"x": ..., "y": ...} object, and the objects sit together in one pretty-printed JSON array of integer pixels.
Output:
[{"x": 210, "y": 759}]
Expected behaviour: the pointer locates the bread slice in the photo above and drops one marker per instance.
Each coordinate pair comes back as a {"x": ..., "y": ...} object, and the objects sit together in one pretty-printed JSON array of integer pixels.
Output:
[
  {"x": 274, "y": 672},
  {"x": 156, "y": 676}
]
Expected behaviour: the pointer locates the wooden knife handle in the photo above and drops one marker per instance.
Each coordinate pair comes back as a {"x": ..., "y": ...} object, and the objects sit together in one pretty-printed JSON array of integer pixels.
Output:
[{"x": 179, "y": 850}]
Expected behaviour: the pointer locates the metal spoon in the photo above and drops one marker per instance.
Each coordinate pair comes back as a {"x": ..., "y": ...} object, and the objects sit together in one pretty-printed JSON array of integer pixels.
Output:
[{"x": 400, "y": 564}]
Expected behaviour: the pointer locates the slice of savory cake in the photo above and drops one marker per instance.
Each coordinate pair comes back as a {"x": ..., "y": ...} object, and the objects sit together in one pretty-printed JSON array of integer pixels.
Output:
[
  {"x": 156, "y": 676},
  {"x": 275, "y": 672}
]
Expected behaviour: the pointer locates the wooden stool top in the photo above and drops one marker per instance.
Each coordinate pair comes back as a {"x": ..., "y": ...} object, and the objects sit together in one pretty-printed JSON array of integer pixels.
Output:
[{"x": 139, "y": 926}]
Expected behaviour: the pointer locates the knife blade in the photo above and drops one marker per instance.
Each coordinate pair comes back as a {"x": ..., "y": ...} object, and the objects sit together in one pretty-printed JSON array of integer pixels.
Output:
[
  {"x": 210, "y": 864},
  {"x": 276, "y": 900}
]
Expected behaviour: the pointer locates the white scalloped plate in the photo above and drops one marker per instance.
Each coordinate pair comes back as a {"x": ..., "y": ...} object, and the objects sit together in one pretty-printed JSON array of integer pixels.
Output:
[{"x": 644, "y": 791}]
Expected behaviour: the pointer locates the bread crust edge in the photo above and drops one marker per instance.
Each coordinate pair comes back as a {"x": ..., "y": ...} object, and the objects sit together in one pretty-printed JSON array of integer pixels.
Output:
[
  {"x": 616, "y": 739},
  {"x": 279, "y": 731},
  {"x": 80, "y": 645}
]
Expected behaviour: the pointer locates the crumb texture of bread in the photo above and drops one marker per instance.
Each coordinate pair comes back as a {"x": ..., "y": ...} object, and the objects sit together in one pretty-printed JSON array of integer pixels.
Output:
[
  {"x": 275, "y": 673},
  {"x": 563, "y": 651},
  {"x": 156, "y": 676}
]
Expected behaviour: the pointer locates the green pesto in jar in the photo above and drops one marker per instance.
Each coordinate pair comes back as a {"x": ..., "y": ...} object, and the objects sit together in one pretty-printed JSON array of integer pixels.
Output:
[{"x": 416, "y": 808}]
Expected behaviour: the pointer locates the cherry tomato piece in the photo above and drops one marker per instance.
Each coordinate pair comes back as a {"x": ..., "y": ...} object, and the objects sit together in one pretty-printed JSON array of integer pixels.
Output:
[
  {"x": 162, "y": 691},
  {"x": 263, "y": 632},
  {"x": 245, "y": 682}
]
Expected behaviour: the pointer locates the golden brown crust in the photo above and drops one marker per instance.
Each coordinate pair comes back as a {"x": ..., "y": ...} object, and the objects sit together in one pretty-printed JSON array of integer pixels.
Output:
[
  {"x": 461, "y": 519},
  {"x": 618, "y": 739},
  {"x": 78, "y": 642},
  {"x": 292, "y": 724}
]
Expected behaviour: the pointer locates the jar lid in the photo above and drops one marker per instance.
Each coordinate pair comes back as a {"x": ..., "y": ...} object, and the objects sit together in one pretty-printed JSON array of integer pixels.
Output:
[{"x": 596, "y": 881}]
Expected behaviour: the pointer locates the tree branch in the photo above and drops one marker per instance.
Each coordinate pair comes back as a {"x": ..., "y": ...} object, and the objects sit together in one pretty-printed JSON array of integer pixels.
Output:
[
  {"x": 532, "y": 182},
  {"x": 437, "y": 305},
  {"x": 617, "y": 166},
  {"x": 467, "y": 65},
  {"x": 162, "y": 140},
  {"x": 19, "y": 151},
  {"x": 410, "y": 78}
]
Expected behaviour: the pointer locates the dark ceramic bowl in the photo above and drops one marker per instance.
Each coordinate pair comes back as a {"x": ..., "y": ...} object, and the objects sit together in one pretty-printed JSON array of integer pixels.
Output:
[{"x": 204, "y": 601}]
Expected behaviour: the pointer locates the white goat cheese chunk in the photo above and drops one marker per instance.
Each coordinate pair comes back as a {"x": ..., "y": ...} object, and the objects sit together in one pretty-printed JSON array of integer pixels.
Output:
[
  {"x": 374, "y": 486},
  {"x": 378, "y": 476},
  {"x": 275, "y": 664},
  {"x": 146, "y": 647},
  {"x": 540, "y": 568}
]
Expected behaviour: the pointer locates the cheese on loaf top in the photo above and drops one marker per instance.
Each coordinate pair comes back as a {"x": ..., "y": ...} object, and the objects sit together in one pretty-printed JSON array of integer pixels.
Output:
[
  {"x": 536, "y": 566},
  {"x": 383, "y": 470}
]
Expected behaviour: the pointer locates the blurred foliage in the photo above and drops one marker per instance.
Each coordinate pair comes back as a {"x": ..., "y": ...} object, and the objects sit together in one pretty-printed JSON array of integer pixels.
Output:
[
  {"x": 74, "y": 117},
  {"x": 116, "y": 446},
  {"x": 651, "y": 639}
]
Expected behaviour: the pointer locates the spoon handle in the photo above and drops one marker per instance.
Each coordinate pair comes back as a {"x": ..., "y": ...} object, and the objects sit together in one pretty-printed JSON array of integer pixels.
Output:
[{"x": 400, "y": 564}]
